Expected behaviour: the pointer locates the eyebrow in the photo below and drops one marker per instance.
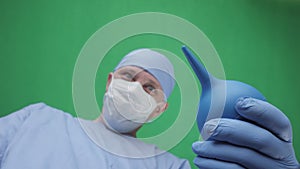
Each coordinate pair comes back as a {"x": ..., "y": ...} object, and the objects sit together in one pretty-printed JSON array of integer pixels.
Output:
[
  {"x": 128, "y": 70},
  {"x": 135, "y": 74},
  {"x": 152, "y": 83}
]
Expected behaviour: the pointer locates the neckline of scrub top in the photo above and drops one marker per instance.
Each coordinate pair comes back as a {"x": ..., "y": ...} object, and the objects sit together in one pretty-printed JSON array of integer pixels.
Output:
[{"x": 118, "y": 144}]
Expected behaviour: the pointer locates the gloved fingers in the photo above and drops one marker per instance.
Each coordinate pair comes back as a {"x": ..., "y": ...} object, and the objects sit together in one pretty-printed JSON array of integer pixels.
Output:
[
  {"x": 265, "y": 115},
  {"x": 207, "y": 163},
  {"x": 243, "y": 156},
  {"x": 245, "y": 134}
]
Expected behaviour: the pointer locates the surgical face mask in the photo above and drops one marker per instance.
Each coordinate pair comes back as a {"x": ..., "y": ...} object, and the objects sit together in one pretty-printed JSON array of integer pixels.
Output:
[{"x": 127, "y": 106}]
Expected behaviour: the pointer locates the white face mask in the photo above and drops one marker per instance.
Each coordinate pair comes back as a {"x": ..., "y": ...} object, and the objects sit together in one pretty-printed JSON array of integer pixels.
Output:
[{"x": 127, "y": 106}]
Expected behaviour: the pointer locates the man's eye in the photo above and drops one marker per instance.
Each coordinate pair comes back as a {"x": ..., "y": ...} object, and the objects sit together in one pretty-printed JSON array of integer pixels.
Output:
[
  {"x": 127, "y": 76},
  {"x": 149, "y": 89},
  {"x": 157, "y": 94}
]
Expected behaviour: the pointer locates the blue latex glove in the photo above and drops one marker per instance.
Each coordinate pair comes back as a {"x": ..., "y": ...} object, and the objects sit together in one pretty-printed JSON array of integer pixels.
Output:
[{"x": 264, "y": 142}]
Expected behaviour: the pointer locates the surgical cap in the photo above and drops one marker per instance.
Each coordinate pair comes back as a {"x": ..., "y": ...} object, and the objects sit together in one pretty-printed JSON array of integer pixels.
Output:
[{"x": 153, "y": 62}]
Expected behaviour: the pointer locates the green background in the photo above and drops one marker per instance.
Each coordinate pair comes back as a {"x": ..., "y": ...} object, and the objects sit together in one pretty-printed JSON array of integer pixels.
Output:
[{"x": 258, "y": 42}]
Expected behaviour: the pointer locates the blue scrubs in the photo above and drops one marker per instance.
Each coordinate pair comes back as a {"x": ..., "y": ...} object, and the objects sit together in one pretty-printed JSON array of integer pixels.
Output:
[{"x": 41, "y": 137}]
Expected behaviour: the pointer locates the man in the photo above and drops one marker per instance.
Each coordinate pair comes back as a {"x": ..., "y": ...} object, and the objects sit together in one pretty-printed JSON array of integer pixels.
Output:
[{"x": 40, "y": 136}]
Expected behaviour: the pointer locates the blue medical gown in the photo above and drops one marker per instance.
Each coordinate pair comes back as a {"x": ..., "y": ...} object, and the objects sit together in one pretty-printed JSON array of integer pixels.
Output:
[{"x": 41, "y": 137}]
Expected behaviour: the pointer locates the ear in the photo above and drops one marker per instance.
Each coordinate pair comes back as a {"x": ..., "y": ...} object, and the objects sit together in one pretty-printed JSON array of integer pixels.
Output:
[
  {"x": 109, "y": 78},
  {"x": 165, "y": 106},
  {"x": 159, "y": 110}
]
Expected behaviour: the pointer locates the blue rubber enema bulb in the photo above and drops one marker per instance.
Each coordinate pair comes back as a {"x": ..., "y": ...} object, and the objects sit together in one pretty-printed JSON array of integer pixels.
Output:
[{"x": 233, "y": 91}]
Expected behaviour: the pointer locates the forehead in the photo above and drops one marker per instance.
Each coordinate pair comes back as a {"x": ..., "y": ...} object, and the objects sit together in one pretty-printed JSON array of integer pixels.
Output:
[{"x": 139, "y": 74}]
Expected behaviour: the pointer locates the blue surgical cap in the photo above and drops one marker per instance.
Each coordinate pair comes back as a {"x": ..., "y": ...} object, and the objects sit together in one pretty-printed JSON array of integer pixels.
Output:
[{"x": 153, "y": 62}]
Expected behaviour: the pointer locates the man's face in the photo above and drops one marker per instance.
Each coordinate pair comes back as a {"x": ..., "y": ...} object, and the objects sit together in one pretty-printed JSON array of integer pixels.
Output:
[{"x": 148, "y": 82}]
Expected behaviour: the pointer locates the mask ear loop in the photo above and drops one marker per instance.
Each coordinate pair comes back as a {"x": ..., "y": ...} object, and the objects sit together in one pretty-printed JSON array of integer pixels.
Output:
[
  {"x": 159, "y": 106},
  {"x": 157, "y": 109}
]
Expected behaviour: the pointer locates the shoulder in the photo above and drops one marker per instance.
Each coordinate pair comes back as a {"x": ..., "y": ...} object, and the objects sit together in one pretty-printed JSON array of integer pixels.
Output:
[
  {"x": 44, "y": 109},
  {"x": 23, "y": 113},
  {"x": 37, "y": 111}
]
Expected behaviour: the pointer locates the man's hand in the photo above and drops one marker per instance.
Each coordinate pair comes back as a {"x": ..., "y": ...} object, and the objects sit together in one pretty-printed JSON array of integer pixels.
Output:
[{"x": 262, "y": 142}]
